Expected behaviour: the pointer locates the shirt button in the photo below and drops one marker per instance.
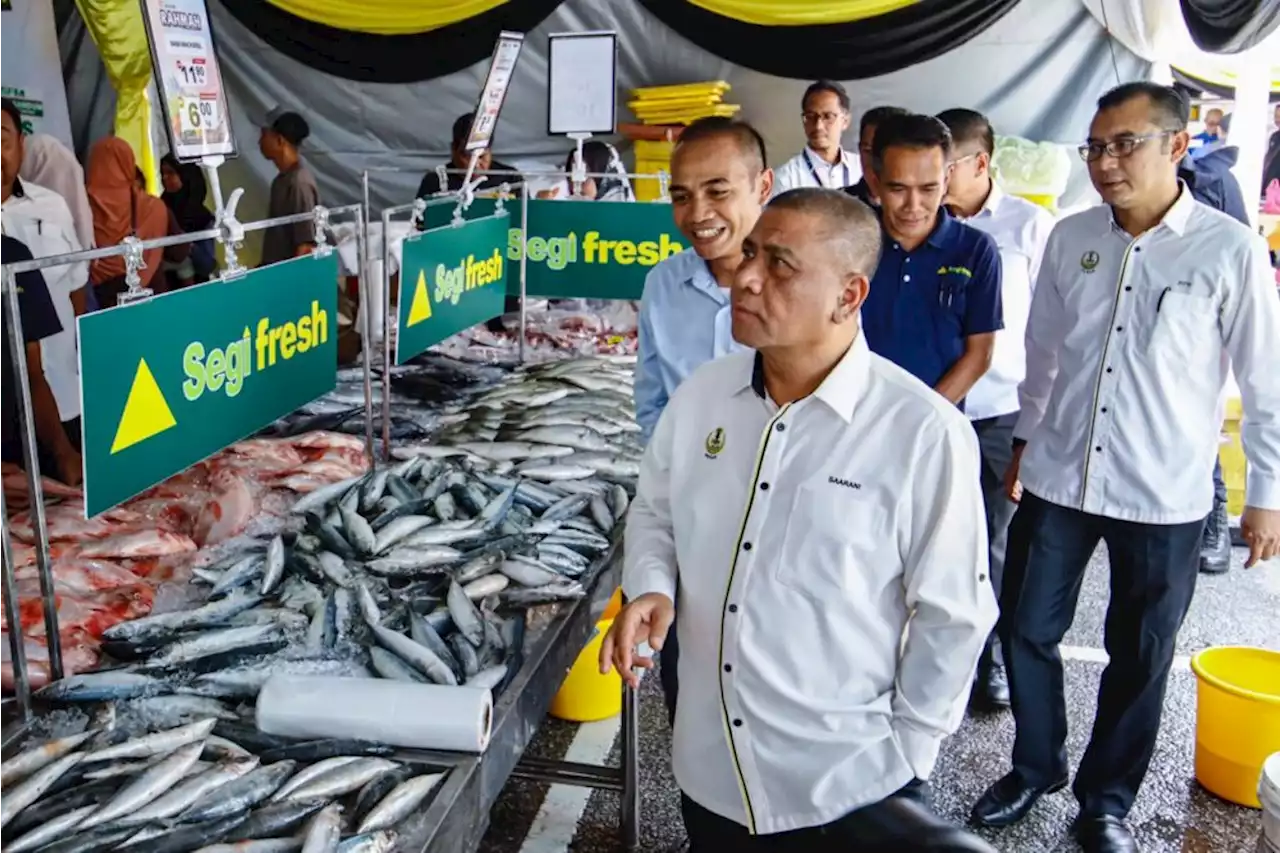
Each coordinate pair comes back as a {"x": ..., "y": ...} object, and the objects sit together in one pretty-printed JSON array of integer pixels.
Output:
[
  {"x": 1128, "y": 287},
  {"x": 781, "y": 427},
  {"x": 1098, "y": 449},
  {"x": 737, "y": 723},
  {"x": 1108, "y": 370},
  {"x": 1104, "y": 410},
  {"x": 906, "y": 278},
  {"x": 1137, "y": 248},
  {"x": 906, "y": 260},
  {"x": 728, "y": 667},
  {"x": 733, "y": 608},
  {"x": 746, "y": 546},
  {"x": 1119, "y": 328},
  {"x": 764, "y": 487},
  {"x": 982, "y": 577}
]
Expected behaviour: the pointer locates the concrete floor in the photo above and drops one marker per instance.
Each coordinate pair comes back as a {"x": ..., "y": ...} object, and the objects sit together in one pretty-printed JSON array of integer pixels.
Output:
[{"x": 1172, "y": 815}]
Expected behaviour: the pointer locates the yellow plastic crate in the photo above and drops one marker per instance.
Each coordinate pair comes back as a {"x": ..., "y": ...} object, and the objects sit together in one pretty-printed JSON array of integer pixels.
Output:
[
  {"x": 650, "y": 150},
  {"x": 681, "y": 90}
]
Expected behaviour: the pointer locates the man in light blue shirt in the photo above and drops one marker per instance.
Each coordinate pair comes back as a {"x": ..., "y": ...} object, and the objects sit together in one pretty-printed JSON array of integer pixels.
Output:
[{"x": 720, "y": 181}]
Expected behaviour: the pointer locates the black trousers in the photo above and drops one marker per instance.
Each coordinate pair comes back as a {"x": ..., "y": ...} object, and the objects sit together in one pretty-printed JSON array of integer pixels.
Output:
[
  {"x": 901, "y": 823},
  {"x": 1153, "y": 577},
  {"x": 995, "y": 444},
  {"x": 668, "y": 672}
]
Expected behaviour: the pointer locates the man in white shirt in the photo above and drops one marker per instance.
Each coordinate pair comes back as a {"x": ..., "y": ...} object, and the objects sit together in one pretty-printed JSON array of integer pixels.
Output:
[
  {"x": 1020, "y": 230},
  {"x": 814, "y": 504},
  {"x": 823, "y": 162},
  {"x": 40, "y": 218},
  {"x": 1137, "y": 301}
]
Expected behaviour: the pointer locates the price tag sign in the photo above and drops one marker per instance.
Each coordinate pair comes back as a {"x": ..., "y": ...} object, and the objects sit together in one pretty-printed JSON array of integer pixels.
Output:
[
  {"x": 186, "y": 68},
  {"x": 501, "y": 66}
]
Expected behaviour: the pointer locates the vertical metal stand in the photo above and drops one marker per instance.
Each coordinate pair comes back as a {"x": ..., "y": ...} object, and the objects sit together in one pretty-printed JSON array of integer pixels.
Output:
[
  {"x": 31, "y": 456},
  {"x": 524, "y": 263},
  {"x": 365, "y": 281},
  {"x": 386, "y": 335},
  {"x": 630, "y": 800},
  {"x": 13, "y": 618}
]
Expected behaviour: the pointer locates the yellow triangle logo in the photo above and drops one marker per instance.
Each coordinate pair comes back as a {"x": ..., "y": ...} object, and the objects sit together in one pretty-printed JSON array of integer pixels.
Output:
[
  {"x": 146, "y": 413},
  {"x": 420, "y": 308}
]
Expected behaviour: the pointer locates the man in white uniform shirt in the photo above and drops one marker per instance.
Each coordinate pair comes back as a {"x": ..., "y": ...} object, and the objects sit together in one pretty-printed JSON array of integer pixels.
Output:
[
  {"x": 1020, "y": 230},
  {"x": 823, "y": 162},
  {"x": 813, "y": 503},
  {"x": 1137, "y": 301}
]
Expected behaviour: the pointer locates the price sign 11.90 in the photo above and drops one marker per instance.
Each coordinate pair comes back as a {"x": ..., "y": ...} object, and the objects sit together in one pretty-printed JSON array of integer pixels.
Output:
[{"x": 192, "y": 72}]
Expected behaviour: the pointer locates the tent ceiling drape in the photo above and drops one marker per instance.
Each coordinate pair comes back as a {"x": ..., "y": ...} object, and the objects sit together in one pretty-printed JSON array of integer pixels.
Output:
[
  {"x": 1230, "y": 26},
  {"x": 795, "y": 13},
  {"x": 386, "y": 17}
]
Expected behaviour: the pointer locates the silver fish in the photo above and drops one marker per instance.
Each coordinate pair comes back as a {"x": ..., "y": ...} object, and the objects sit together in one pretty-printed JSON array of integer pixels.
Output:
[
  {"x": 468, "y": 659},
  {"x": 340, "y": 781},
  {"x": 24, "y": 764},
  {"x": 304, "y": 776},
  {"x": 368, "y": 607},
  {"x": 464, "y": 614},
  {"x": 579, "y": 438},
  {"x": 445, "y": 507},
  {"x": 324, "y": 495},
  {"x": 505, "y": 451},
  {"x": 392, "y": 667},
  {"x": 220, "y": 749},
  {"x": 216, "y": 642},
  {"x": 478, "y": 567},
  {"x": 373, "y": 488},
  {"x": 400, "y": 803},
  {"x": 488, "y": 678},
  {"x": 418, "y": 656},
  {"x": 325, "y": 831},
  {"x": 334, "y": 568},
  {"x": 618, "y": 501},
  {"x": 28, "y": 791},
  {"x": 358, "y": 532},
  {"x": 190, "y": 790},
  {"x": 256, "y": 845},
  {"x": 447, "y": 533},
  {"x": 159, "y": 743},
  {"x": 274, "y": 568},
  {"x": 382, "y": 841},
  {"x": 238, "y": 575},
  {"x": 486, "y": 586},
  {"x": 301, "y": 595},
  {"x": 601, "y": 514},
  {"x": 240, "y": 795},
  {"x": 561, "y": 591},
  {"x": 146, "y": 787},
  {"x": 275, "y": 819},
  {"x": 407, "y": 561},
  {"x": 552, "y": 472},
  {"x": 566, "y": 507},
  {"x": 60, "y": 827},
  {"x": 424, "y": 634},
  {"x": 244, "y": 682},
  {"x": 161, "y": 626},
  {"x": 179, "y": 706},
  {"x": 399, "y": 529},
  {"x": 528, "y": 572}
]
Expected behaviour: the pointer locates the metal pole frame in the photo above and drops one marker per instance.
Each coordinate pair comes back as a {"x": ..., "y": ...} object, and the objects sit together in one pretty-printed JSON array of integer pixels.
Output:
[
  {"x": 30, "y": 445},
  {"x": 524, "y": 266},
  {"x": 366, "y": 323}
]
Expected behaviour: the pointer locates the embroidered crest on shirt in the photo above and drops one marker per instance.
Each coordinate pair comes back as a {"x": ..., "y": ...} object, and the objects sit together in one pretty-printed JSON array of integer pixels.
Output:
[
  {"x": 1089, "y": 261},
  {"x": 715, "y": 442}
]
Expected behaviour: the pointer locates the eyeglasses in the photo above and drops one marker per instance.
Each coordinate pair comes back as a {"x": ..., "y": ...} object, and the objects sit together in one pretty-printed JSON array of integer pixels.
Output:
[
  {"x": 1122, "y": 147},
  {"x": 825, "y": 118}
]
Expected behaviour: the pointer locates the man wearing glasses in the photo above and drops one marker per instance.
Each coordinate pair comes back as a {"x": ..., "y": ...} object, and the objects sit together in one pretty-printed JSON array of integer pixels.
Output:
[
  {"x": 823, "y": 162},
  {"x": 1136, "y": 304}
]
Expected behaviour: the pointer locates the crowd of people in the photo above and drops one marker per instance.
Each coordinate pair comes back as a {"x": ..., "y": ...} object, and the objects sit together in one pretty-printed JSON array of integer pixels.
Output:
[
  {"x": 53, "y": 206},
  {"x": 890, "y": 412}
]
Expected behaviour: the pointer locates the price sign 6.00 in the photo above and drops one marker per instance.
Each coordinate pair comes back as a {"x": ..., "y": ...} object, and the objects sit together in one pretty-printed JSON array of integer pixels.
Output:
[{"x": 197, "y": 115}]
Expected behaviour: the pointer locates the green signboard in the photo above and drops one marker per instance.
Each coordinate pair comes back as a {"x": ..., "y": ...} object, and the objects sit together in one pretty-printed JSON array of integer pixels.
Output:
[
  {"x": 453, "y": 277},
  {"x": 169, "y": 381},
  {"x": 582, "y": 249}
]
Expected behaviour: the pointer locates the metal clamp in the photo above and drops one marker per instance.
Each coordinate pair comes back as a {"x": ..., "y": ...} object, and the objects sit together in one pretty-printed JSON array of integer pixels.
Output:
[
  {"x": 466, "y": 195},
  {"x": 231, "y": 236},
  {"x": 504, "y": 193},
  {"x": 418, "y": 218},
  {"x": 133, "y": 261},
  {"x": 321, "y": 218},
  {"x": 664, "y": 185}
]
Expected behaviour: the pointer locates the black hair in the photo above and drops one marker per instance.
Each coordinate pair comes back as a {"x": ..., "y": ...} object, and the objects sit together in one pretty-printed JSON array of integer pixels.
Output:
[
  {"x": 831, "y": 86},
  {"x": 847, "y": 219},
  {"x": 461, "y": 128},
  {"x": 1170, "y": 109},
  {"x": 910, "y": 130},
  {"x": 747, "y": 137},
  {"x": 969, "y": 126},
  {"x": 877, "y": 116},
  {"x": 291, "y": 127},
  {"x": 11, "y": 110},
  {"x": 596, "y": 156}
]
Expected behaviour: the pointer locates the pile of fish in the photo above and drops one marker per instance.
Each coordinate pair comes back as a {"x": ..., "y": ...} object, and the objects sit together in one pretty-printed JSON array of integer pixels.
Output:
[
  {"x": 415, "y": 571},
  {"x": 206, "y": 785},
  {"x": 107, "y": 568}
]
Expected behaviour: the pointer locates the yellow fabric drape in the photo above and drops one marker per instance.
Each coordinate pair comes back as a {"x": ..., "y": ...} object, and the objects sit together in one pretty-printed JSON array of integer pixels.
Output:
[
  {"x": 117, "y": 29},
  {"x": 770, "y": 13},
  {"x": 386, "y": 17}
]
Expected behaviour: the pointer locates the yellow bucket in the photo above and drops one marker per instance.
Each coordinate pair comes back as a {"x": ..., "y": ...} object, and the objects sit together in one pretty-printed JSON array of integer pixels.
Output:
[
  {"x": 586, "y": 695},
  {"x": 1237, "y": 719}
]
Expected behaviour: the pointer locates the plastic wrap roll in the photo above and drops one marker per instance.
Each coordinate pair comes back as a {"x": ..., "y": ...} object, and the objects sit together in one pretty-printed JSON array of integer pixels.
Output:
[{"x": 419, "y": 716}]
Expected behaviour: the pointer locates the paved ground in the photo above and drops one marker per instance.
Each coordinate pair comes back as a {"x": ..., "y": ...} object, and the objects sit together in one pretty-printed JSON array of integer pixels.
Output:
[{"x": 1173, "y": 815}]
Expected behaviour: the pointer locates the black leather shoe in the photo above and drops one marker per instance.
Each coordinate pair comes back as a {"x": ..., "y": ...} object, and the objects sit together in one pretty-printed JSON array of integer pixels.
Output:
[
  {"x": 1215, "y": 547},
  {"x": 995, "y": 686},
  {"x": 1009, "y": 800},
  {"x": 1104, "y": 834}
]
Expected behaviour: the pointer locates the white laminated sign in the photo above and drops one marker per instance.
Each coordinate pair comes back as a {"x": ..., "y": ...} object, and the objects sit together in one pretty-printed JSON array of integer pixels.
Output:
[{"x": 187, "y": 77}]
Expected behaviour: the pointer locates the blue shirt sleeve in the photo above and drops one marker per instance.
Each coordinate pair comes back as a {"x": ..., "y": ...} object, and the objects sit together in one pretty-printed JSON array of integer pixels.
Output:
[
  {"x": 650, "y": 396},
  {"x": 984, "y": 306}
]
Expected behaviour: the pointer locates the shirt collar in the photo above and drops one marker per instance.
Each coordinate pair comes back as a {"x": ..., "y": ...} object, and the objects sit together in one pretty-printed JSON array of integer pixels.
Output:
[
  {"x": 1175, "y": 218},
  {"x": 843, "y": 386},
  {"x": 815, "y": 158},
  {"x": 18, "y": 191},
  {"x": 703, "y": 280}
]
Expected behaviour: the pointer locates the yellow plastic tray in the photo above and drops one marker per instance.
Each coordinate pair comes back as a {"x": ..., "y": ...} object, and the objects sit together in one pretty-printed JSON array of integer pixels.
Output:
[{"x": 681, "y": 89}]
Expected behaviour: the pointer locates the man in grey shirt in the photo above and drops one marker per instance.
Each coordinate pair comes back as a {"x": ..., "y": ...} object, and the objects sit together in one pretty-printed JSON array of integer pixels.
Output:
[{"x": 293, "y": 190}]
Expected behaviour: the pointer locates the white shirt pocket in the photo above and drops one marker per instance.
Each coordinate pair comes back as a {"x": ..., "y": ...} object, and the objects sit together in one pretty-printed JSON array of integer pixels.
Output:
[
  {"x": 1183, "y": 325},
  {"x": 838, "y": 538}
]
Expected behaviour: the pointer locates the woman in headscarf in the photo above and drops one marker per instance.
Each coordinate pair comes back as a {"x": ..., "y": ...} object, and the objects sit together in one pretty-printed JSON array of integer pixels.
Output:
[
  {"x": 50, "y": 164},
  {"x": 121, "y": 210},
  {"x": 184, "y": 193}
]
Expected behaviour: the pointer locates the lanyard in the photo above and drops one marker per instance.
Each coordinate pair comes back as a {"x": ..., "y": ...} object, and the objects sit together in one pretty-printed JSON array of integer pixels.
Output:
[{"x": 844, "y": 164}]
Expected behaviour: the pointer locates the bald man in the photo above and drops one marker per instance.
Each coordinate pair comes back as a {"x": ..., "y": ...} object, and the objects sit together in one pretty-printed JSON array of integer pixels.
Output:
[{"x": 814, "y": 503}]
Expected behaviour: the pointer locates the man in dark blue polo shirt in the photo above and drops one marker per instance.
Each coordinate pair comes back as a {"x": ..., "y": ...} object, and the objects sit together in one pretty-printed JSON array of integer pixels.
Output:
[
  {"x": 934, "y": 306},
  {"x": 58, "y": 457}
]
